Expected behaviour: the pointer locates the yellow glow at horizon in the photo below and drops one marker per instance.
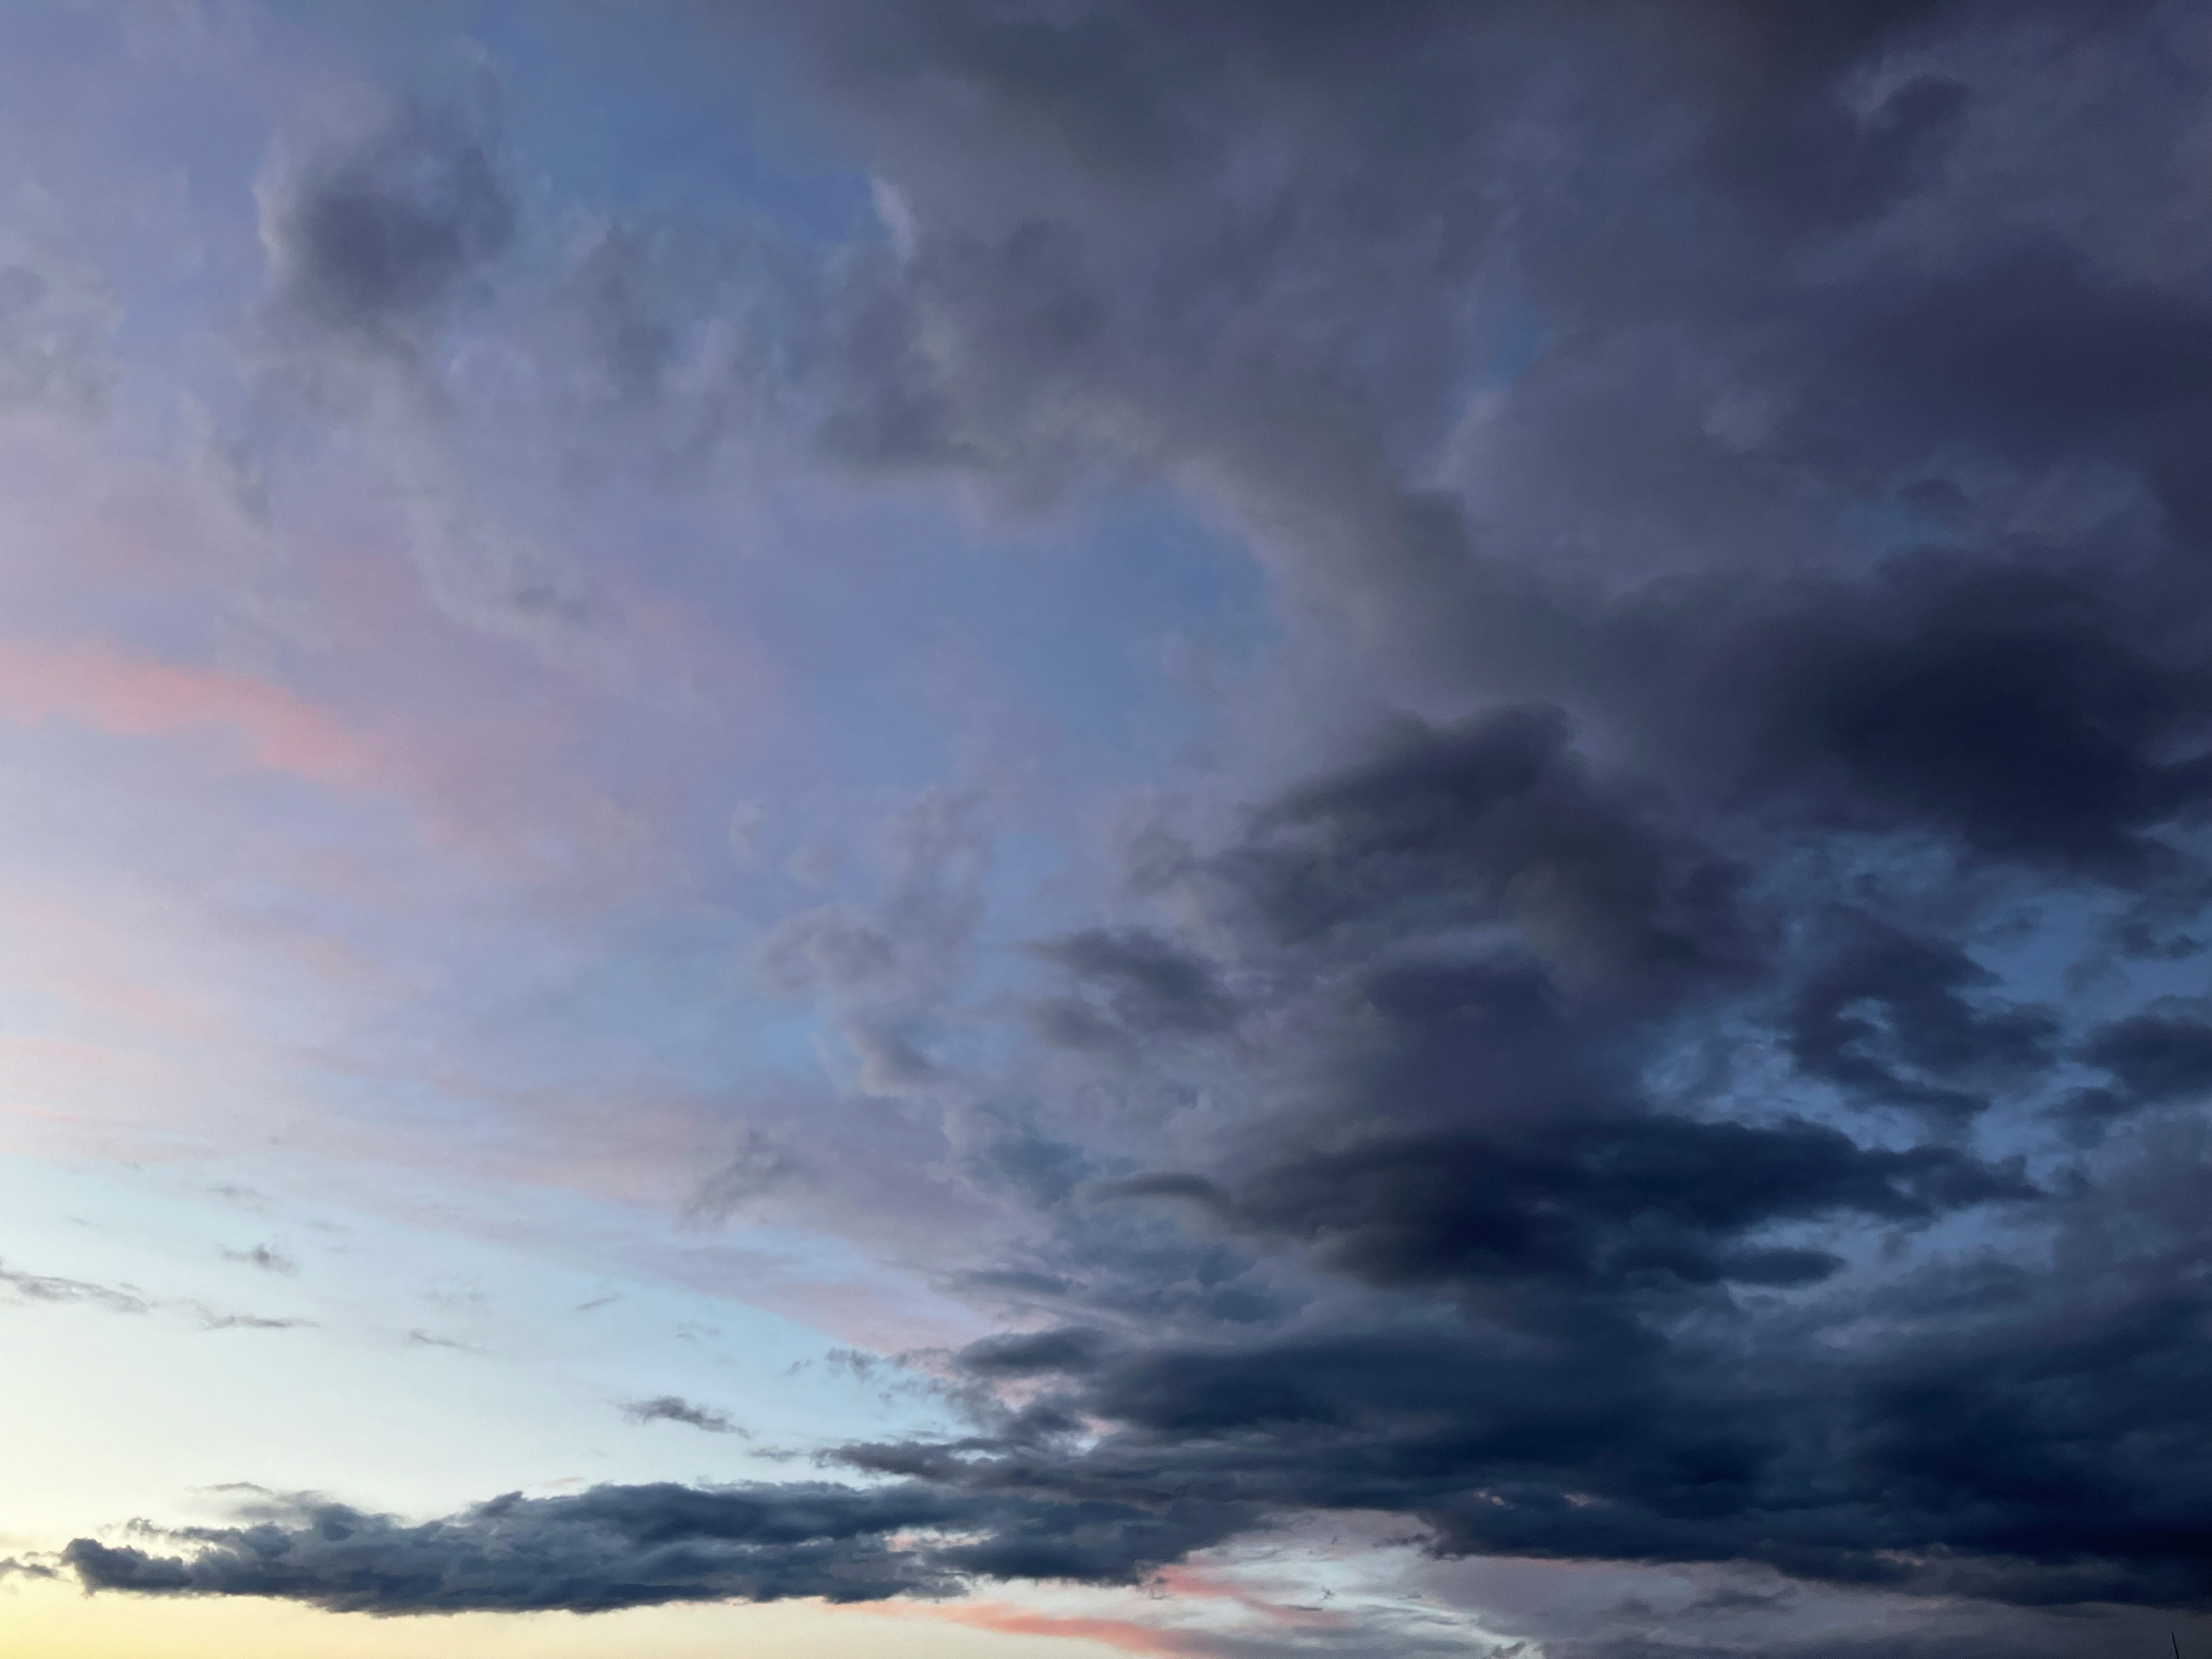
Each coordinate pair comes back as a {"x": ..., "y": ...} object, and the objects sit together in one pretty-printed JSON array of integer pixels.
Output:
[{"x": 53, "y": 1620}]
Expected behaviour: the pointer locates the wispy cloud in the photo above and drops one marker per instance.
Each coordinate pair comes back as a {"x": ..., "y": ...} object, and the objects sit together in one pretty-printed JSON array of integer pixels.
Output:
[
  {"x": 267, "y": 1257},
  {"x": 668, "y": 1408},
  {"x": 41, "y": 1287}
]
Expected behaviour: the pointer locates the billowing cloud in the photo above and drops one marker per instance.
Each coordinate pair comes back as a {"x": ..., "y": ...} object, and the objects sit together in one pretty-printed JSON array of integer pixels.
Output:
[
  {"x": 625, "y": 1546},
  {"x": 1674, "y": 1038}
]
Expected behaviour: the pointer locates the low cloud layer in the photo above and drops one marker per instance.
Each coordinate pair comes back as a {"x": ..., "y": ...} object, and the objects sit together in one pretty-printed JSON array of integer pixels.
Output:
[{"x": 625, "y": 1546}]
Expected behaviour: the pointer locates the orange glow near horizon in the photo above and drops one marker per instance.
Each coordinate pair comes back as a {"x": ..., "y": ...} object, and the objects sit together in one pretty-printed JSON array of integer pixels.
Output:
[{"x": 54, "y": 1620}]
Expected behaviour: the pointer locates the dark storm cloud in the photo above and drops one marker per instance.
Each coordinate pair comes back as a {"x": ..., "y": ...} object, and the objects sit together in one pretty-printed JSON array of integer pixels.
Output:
[
  {"x": 610, "y": 1548},
  {"x": 627, "y": 1546},
  {"x": 2039, "y": 352},
  {"x": 1822, "y": 577},
  {"x": 2161, "y": 1057},
  {"x": 2155, "y": 1057},
  {"x": 1498, "y": 817},
  {"x": 2007, "y": 707},
  {"x": 1978, "y": 1450},
  {"x": 1072, "y": 1350},
  {"x": 1600, "y": 1202},
  {"x": 1893, "y": 1020},
  {"x": 1692, "y": 387},
  {"x": 1765, "y": 443}
]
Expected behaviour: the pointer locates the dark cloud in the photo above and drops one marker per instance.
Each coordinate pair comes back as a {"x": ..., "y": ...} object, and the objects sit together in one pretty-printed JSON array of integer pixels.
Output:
[
  {"x": 2155, "y": 1057},
  {"x": 2006, "y": 707},
  {"x": 373, "y": 242},
  {"x": 1815, "y": 579},
  {"x": 1497, "y": 820},
  {"x": 2161, "y": 1057},
  {"x": 1072, "y": 1350},
  {"x": 1597, "y": 1201},
  {"x": 608, "y": 1548},
  {"x": 627, "y": 1546},
  {"x": 1143, "y": 986},
  {"x": 1893, "y": 1020}
]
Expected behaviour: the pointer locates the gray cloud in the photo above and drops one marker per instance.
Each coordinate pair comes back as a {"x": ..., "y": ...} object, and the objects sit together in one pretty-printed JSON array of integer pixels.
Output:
[
  {"x": 126, "y": 1299},
  {"x": 41, "y": 1287},
  {"x": 885, "y": 971},
  {"x": 624, "y": 1546},
  {"x": 1137, "y": 986},
  {"x": 1892, "y": 1019},
  {"x": 267, "y": 1257},
  {"x": 57, "y": 317},
  {"x": 378, "y": 243},
  {"x": 2155, "y": 1057},
  {"x": 668, "y": 1409},
  {"x": 373, "y": 242}
]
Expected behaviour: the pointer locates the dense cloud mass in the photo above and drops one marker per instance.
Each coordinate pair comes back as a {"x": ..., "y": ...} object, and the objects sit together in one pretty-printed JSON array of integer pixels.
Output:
[
  {"x": 624, "y": 1546},
  {"x": 1721, "y": 1076}
]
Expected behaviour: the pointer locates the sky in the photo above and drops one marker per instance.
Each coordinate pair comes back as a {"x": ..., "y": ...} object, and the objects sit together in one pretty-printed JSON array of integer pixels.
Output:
[{"x": 1057, "y": 827}]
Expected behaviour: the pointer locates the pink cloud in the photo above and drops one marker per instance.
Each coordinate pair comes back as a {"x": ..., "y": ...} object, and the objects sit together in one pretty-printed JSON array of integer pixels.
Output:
[
  {"x": 1195, "y": 1582},
  {"x": 263, "y": 726},
  {"x": 1007, "y": 1618}
]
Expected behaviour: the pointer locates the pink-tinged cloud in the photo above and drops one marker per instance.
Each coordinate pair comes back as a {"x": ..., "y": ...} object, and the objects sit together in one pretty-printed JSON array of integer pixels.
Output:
[
  {"x": 1007, "y": 1619},
  {"x": 490, "y": 785},
  {"x": 1198, "y": 1585},
  {"x": 261, "y": 726}
]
